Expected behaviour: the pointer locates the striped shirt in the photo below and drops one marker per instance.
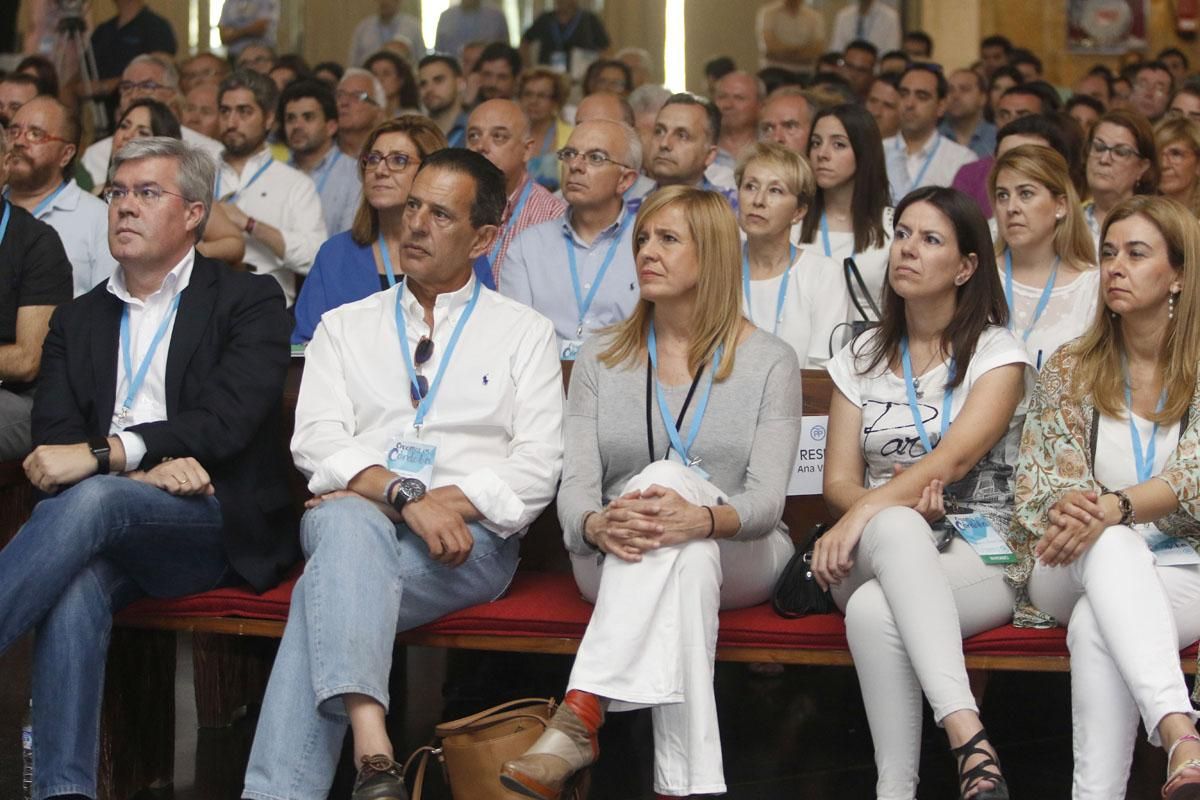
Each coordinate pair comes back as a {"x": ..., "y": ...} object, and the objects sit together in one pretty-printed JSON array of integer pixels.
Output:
[{"x": 540, "y": 207}]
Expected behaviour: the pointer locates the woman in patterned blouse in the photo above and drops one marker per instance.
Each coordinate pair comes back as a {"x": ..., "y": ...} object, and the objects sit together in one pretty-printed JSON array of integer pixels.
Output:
[{"x": 1108, "y": 500}]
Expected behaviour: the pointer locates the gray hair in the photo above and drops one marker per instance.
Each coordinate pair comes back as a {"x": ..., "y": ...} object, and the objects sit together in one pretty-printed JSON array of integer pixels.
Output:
[
  {"x": 631, "y": 144},
  {"x": 643, "y": 58},
  {"x": 649, "y": 98},
  {"x": 378, "y": 95},
  {"x": 197, "y": 169},
  {"x": 266, "y": 93},
  {"x": 170, "y": 74}
]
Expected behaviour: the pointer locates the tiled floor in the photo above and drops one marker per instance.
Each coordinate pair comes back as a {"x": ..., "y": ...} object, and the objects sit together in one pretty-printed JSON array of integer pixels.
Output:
[{"x": 799, "y": 736}]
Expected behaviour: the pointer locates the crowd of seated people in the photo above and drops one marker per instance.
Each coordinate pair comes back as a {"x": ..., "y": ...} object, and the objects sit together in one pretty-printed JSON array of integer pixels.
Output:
[{"x": 999, "y": 276}]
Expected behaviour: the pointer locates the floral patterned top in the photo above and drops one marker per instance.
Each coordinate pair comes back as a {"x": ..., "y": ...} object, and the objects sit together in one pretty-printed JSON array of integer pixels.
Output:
[{"x": 1056, "y": 458}]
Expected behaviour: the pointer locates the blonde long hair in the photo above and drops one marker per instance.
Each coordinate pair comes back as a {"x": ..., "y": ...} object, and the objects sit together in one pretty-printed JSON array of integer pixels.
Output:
[
  {"x": 1072, "y": 239},
  {"x": 1099, "y": 372},
  {"x": 718, "y": 315}
]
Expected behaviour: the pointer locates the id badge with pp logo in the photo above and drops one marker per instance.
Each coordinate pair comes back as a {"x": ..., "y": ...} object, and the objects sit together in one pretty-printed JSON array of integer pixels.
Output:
[
  {"x": 568, "y": 349},
  {"x": 408, "y": 458}
]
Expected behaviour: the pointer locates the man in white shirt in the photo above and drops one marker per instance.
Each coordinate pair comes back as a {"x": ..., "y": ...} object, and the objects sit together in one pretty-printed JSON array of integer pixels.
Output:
[
  {"x": 418, "y": 506},
  {"x": 579, "y": 270},
  {"x": 156, "y": 425},
  {"x": 918, "y": 155},
  {"x": 146, "y": 76},
  {"x": 871, "y": 20},
  {"x": 310, "y": 127},
  {"x": 276, "y": 206},
  {"x": 45, "y": 136},
  {"x": 378, "y": 29},
  {"x": 791, "y": 35}
]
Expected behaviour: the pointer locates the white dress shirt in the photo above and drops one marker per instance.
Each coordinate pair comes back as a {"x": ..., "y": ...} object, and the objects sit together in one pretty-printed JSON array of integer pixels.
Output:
[
  {"x": 284, "y": 198},
  {"x": 150, "y": 404},
  {"x": 95, "y": 159},
  {"x": 81, "y": 221},
  {"x": 880, "y": 27},
  {"x": 496, "y": 419},
  {"x": 815, "y": 308},
  {"x": 904, "y": 170}
]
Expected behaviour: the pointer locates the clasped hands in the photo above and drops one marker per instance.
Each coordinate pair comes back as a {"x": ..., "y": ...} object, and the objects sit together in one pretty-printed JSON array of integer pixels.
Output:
[
  {"x": 644, "y": 520},
  {"x": 51, "y": 467},
  {"x": 1076, "y": 522}
]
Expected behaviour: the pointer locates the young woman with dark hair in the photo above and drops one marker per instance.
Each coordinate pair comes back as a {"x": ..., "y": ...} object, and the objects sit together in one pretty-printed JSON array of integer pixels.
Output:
[
  {"x": 911, "y": 588},
  {"x": 851, "y": 215}
]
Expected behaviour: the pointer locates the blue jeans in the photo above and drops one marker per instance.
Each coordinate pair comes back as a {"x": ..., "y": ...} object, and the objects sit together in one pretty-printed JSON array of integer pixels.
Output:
[
  {"x": 82, "y": 556},
  {"x": 365, "y": 579}
]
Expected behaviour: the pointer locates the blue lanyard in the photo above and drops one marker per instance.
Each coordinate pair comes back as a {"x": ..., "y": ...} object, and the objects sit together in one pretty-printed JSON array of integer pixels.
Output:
[
  {"x": 916, "y": 182},
  {"x": 910, "y": 386},
  {"x": 337, "y": 153},
  {"x": 1144, "y": 460},
  {"x": 387, "y": 262},
  {"x": 549, "y": 138},
  {"x": 1043, "y": 301},
  {"x": 521, "y": 201},
  {"x": 581, "y": 302},
  {"x": 561, "y": 35},
  {"x": 4, "y": 220},
  {"x": 401, "y": 328},
  {"x": 679, "y": 446},
  {"x": 234, "y": 195},
  {"x": 136, "y": 380},
  {"x": 783, "y": 285},
  {"x": 42, "y": 206}
]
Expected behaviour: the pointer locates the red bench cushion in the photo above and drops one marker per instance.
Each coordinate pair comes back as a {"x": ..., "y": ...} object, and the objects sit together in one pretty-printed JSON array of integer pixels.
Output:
[{"x": 547, "y": 604}]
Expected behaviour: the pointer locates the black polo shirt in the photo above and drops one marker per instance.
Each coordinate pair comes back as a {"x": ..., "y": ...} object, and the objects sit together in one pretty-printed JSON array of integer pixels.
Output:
[
  {"x": 116, "y": 47},
  {"x": 584, "y": 31},
  {"x": 34, "y": 270}
]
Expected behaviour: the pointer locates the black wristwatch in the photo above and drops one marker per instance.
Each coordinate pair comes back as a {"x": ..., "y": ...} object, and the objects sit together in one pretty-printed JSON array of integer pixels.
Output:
[
  {"x": 407, "y": 490},
  {"x": 100, "y": 449}
]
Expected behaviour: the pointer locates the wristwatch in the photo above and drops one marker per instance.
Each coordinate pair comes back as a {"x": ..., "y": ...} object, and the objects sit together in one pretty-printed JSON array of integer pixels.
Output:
[
  {"x": 100, "y": 449},
  {"x": 407, "y": 490},
  {"x": 1125, "y": 506}
]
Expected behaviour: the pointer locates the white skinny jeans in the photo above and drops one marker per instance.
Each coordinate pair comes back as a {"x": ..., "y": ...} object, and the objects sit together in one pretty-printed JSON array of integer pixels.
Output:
[
  {"x": 652, "y": 637},
  {"x": 907, "y": 609},
  {"x": 1127, "y": 620}
]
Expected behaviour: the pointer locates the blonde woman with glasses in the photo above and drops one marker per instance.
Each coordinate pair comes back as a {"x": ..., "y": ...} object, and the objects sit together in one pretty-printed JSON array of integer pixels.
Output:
[
  {"x": 682, "y": 425},
  {"x": 1044, "y": 250},
  {"x": 1108, "y": 500},
  {"x": 1178, "y": 140}
]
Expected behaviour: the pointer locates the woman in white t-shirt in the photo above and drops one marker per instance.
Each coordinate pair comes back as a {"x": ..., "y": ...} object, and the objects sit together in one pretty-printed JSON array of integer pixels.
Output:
[
  {"x": 850, "y": 215},
  {"x": 793, "y": 293},
  {"x": 1109, "y": 463},
  {"x": 894, "y": 467},
  {"x": 1044, "y": 250}
]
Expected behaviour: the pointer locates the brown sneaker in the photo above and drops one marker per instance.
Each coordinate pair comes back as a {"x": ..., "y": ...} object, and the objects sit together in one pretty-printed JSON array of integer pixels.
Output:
[
  {"x": 379, "y": 778},
  {"x": 567, "y": 746}
]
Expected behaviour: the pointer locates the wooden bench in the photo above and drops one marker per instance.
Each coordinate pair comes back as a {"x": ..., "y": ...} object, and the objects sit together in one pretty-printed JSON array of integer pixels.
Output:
[{"x": 235, "y": 635}]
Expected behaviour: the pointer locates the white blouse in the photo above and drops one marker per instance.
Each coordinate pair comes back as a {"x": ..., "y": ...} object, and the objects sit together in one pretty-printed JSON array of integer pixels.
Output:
[
  {"x": 1068, "y": 314},
  {"x": 814, "y": 309},
  {"x": 871, "y": 263}
]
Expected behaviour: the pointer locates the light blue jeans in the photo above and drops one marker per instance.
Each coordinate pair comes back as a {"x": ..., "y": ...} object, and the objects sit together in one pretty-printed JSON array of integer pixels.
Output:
[
  {"x": 82, "y": 556},
  {"x": 365, "y": 579}
]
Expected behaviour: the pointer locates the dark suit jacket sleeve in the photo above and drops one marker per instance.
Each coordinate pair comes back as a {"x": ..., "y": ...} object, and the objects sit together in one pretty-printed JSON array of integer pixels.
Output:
[
  {"x": 58, "y": 416},
  {"x": 241, "y": 391}
]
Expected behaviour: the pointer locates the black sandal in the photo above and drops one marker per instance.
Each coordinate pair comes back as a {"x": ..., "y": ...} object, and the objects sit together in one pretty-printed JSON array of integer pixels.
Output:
[{"x": 980, "y": 772}]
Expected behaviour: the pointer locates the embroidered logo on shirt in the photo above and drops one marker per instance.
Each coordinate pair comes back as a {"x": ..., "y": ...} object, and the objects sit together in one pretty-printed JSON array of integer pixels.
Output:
[{"x": 485, "y": 379}]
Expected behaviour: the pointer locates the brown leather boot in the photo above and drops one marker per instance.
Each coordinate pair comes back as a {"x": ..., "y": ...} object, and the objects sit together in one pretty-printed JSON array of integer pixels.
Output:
[{"x": 567, "y": 746}]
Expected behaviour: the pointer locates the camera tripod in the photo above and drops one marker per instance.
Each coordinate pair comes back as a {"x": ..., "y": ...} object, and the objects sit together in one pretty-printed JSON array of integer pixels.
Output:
[{"x": 71, "y": 39}]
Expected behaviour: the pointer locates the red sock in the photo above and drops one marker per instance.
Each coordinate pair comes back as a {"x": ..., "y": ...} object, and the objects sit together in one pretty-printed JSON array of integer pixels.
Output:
[{"x": 587, "y": 707}]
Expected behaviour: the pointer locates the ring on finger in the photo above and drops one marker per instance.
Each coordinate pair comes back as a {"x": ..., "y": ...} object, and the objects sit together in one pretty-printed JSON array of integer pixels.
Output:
[{"x": 182, "y": 481}]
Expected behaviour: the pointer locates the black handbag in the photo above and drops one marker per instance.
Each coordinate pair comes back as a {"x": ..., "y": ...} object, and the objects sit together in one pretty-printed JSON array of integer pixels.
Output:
[{"x": 797, "y": 592}]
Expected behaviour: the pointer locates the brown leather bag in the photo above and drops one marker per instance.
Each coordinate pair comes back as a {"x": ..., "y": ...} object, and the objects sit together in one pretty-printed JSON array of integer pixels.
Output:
[{"x": 471, "y": 750}]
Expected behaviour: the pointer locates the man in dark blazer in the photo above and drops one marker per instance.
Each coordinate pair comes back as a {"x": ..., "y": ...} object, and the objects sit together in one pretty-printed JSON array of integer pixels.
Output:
[{"x": 156, "y": 426}]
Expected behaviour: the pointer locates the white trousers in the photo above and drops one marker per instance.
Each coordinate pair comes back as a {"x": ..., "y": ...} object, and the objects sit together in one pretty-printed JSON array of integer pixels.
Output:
[
  {"x": 907, "y": 609},
  {"x": 652, "y": 637},
  {"x": 1127, "y": 620}
]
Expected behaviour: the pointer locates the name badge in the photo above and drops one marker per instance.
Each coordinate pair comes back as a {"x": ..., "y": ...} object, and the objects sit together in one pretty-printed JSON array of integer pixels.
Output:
[
  {"x": 412, "y": 459},
  {"x": 983, "y": 538},
  {"x": 568, "y": 349},
  {"x": 558, "y": 61},
  {"x": 1168, "y": 550}
]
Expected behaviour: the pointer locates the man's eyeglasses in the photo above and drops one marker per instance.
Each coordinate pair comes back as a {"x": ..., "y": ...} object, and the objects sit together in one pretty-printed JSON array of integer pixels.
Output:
[
  {"x": 33, "y": 135},
  {"x": 357, "y": 97},
  {"x": 594, "y": 158},
  {"x": 396, "y": 162},
  {"x": 145, "y": 86},
  {"x": 147, "y": 195},
  {"x": 421, "y": 357},
  {"x": 261, "y": 58},
  {"x": 1121, "y": 152}
]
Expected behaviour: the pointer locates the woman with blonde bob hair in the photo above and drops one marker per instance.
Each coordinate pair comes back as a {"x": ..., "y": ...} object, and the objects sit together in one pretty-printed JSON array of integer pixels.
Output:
[
  {"x": 1044, "y": 249},
  {"x": 361, "y": 261},
  {"x": 1178, "y": 141},
  {"x": 671, "y": 510},
  {"x": 1108, "y": 500},
  {"x": 795, "y": 293}
]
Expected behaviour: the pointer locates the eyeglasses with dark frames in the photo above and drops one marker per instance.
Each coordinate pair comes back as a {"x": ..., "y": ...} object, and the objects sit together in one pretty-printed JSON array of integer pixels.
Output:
[
  {"x": 396, "y": 162},
  {"x": 593, "y": 158}
]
